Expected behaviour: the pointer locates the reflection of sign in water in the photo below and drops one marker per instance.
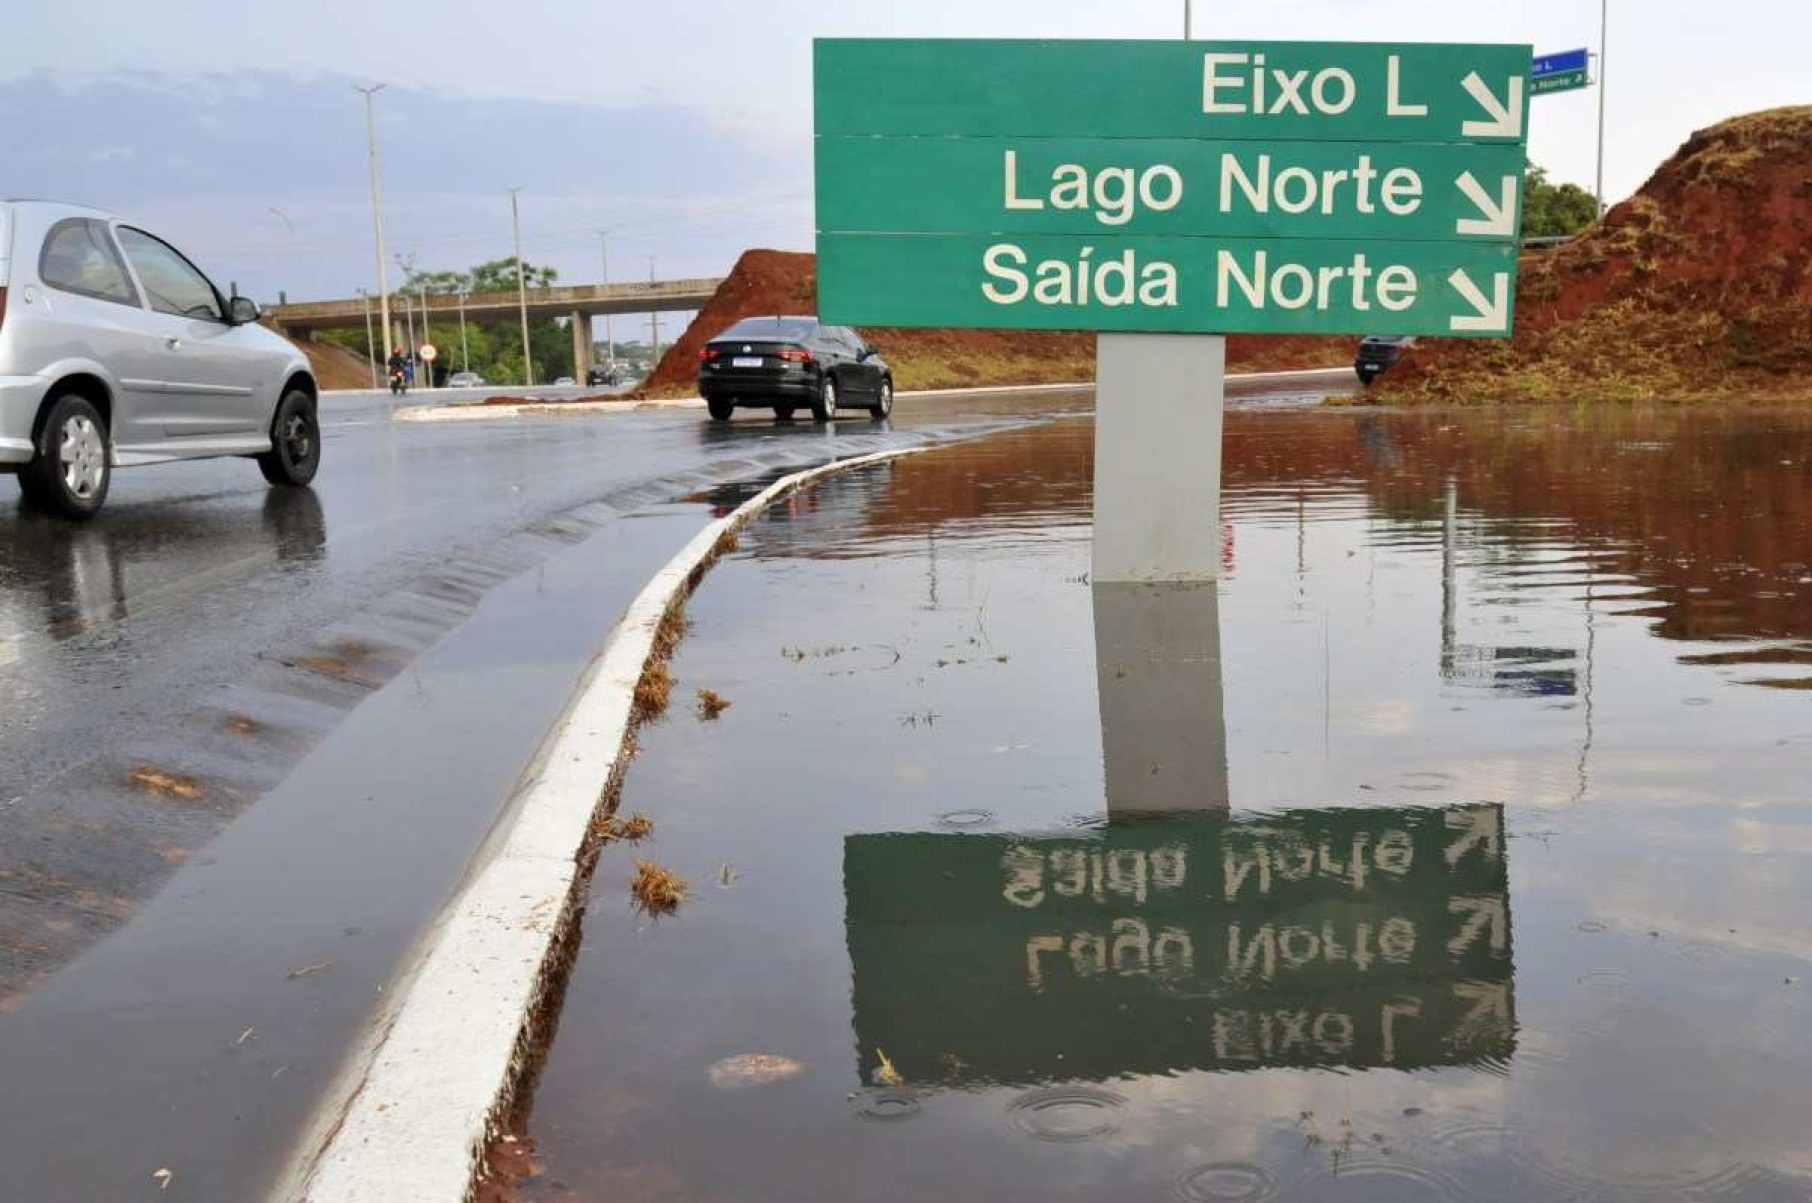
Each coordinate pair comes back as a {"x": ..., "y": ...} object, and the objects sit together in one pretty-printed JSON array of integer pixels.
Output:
[
  {"x": 1338, "y": 938},
  {"x": 1523, "y": 671}
]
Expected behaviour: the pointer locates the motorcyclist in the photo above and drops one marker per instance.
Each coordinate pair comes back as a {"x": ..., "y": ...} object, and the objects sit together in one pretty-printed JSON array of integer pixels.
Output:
[{"x": 398, "y": 365}]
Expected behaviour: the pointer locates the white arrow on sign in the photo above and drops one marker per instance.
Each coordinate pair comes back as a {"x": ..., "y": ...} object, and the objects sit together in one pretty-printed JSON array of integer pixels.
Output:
[
  {"x": 1506, "y": 120},
  {"x": 1484, "y": 917},
  {"x": 1488, "y": 1015},
  {"x": 1499, "y": 212},
  {"x": 1493, "y": 311},
  {"x": 1475, "y": 826}
]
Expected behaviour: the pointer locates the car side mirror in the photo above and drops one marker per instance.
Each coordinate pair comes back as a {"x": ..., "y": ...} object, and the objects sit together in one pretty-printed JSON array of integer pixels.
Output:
[
  {"x": 869, "y": 351},
  {"x": 243, "y": 311}
]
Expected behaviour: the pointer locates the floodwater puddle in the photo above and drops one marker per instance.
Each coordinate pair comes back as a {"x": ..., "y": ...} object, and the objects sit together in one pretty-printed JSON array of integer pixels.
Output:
[{"x": 1454, "y": 845}]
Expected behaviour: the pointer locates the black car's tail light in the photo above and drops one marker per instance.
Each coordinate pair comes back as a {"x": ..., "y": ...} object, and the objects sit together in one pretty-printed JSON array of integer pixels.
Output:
[
  {"x": 796, "y": 354},
  {"x": 705, "y": 354}
]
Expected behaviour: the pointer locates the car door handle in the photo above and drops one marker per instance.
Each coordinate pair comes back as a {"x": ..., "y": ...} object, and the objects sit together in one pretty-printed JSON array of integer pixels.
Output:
[{"x": 175, "y": 344}]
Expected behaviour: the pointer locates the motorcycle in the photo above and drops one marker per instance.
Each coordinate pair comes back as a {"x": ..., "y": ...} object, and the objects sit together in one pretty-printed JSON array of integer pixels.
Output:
[{"x": 398, "y": 385}]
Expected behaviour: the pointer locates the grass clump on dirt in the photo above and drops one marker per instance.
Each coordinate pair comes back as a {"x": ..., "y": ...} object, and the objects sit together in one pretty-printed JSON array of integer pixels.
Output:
[
  {"x": 657, "y": 889},
  {"x": 711, "y": 704}
]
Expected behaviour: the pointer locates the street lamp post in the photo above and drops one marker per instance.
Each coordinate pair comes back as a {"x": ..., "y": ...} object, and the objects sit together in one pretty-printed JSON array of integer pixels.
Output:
[
  {"x": 1604, "y": 25},
  {"x": 465, "y": 354},
  {"x": 421, "y": 289},
  {"x": 610, "y": 342},
  {"x": 377, "y": 203},
  {"x": 654, "y": 320},
  {"x": 528, "y": 369},
  {"x": 408, "y": 317},
  {"x": 370, "y": 346}
]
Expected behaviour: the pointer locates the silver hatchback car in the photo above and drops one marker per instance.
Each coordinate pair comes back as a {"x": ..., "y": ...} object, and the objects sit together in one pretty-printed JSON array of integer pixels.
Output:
[{"x": 116, "y": 351}]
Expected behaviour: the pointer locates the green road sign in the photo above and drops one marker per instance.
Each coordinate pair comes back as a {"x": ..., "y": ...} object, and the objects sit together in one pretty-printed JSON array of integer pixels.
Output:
[
  {"x": 1274, "y": 91},
  {"x": 1169, "y": 284},
  {"x": 1348, "y": 938},
  {"x": 1103, "y": 186},
  {"x": 1204, "y": 187},
  {"x": 1565, "y": 81}
]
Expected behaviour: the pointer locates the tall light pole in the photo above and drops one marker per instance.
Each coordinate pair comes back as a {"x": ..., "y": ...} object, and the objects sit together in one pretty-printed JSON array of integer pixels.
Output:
[
  {"x": 654, "y": 323},
  {"x": 1604, "y": 25},
  {"x": 465, "y": 353},
  {"x": 421, "y": 290},
  {"x": 408, "y": 316},
  {"x": 377, "y": 203},
  {"x": 528, "y": 368},
  {"x": 610, "y": 342},
  {"x": 1187, "y": 6},
  {"x": 370, "y": 346}
]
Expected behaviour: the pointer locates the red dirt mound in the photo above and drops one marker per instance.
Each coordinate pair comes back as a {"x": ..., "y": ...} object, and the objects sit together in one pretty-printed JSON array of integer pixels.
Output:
[
  {"x": 1699, "y": 286},
  {"x": 771, "y": 282}
]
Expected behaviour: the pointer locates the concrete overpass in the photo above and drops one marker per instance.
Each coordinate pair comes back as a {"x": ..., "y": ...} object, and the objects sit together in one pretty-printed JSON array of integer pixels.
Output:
[{"x": 580, "y": 302}]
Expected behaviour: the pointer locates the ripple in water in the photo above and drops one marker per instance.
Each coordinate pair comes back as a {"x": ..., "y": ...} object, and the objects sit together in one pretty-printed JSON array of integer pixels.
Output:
[
  {"x": 1067, "y": 1114},
  {"x": 1365, "y": 1175},
  {"x": 1226, "y": 1182},
  {"x": 887, "y": 1106},
  {"x": 961, "y": 820}
]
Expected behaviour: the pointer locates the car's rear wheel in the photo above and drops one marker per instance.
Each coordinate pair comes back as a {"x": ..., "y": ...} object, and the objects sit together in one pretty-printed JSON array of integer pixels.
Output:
[
  {"x": 295, "y": 451},
  {"x": 824, "y": 408},
  {"x": 883, "y": 400},
  {"x": 70, "y": 471},
  {"x": 720, "y": 408}
]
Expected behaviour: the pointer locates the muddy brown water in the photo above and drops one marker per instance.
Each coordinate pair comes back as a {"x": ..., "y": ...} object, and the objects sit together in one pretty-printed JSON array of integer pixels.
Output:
[{"x": 1455, "y": 846}]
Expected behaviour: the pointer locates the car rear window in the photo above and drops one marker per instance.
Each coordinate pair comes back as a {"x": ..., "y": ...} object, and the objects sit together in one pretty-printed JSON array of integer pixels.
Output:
[
  {"x": 79, "y": 257},
  {"x": 788, "y": 329}
]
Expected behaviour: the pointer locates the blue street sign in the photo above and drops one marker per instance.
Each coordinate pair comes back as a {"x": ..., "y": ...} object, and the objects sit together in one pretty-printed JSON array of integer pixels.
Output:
[{"x": 1556, "y": 64}]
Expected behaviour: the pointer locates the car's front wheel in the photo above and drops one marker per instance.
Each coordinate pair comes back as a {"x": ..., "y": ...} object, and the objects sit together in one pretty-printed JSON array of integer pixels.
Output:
[
  {"x": 70, "y": 471},
  {"x": 720, "y": 409},
  {"x": 883, "y": 400},
  {"x": 824, "y": 408},
  {"x": 295, "y": 451}
]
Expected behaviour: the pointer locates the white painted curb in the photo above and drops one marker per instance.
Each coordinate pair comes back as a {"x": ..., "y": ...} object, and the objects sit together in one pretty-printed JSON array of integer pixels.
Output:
[{"x": 444, "y": 1069}]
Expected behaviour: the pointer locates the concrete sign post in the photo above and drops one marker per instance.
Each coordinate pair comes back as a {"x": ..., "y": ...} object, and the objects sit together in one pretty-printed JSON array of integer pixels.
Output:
[{"x": 1166, "y": 188}]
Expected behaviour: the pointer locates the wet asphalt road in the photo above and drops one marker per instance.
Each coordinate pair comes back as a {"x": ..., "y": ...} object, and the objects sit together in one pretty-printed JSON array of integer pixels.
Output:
[{"x": 257, "y": 736}]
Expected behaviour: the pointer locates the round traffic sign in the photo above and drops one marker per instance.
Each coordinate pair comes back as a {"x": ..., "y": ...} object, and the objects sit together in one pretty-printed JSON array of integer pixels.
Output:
[{"x": 429, "y": 352}]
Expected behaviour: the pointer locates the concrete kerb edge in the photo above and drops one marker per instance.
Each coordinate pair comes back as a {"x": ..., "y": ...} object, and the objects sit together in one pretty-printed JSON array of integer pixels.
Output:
[{"x": 445, "y": 1070}]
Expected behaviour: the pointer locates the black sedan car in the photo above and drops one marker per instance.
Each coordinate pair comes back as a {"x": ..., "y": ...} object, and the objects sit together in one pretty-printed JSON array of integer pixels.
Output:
[
  {"x": 782, "y": 363},
  {"x": 1377, "y": 352}
]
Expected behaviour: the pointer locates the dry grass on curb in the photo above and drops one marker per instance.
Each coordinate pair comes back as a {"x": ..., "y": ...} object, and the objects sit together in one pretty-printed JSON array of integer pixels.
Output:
[
  {"x": 636, "y": 828},
  {"x": 657, "y": 889},
  {"x": 653, "y": 692},
  {"x": 711, "y": 704}
]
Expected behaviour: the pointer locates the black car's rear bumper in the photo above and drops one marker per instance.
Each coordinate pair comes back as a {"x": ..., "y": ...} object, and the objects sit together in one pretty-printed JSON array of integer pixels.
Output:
[{"x": 755, "y": 387}]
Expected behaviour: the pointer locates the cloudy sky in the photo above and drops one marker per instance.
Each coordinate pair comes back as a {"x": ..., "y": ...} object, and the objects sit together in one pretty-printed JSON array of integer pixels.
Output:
[{"x": 684, "y": 129}]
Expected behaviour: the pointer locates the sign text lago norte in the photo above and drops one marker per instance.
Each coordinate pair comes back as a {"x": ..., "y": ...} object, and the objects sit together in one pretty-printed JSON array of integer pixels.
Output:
[{"x": 1167, "y": 186}]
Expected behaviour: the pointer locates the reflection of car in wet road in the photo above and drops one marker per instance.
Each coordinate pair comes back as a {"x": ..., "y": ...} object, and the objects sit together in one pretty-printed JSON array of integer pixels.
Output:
[
  {"x": 116, "y": 351},
  {"x": 785, "y": 362},
  {"x": 1377, "y": 352}
]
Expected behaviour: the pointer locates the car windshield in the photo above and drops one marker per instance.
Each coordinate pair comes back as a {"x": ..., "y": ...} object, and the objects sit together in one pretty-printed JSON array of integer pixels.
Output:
[{"x": 790, "y": 329}]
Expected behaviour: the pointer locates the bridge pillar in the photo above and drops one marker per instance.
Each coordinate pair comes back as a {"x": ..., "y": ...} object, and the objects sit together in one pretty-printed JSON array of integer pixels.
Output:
[{"x": 581, "y": 345}]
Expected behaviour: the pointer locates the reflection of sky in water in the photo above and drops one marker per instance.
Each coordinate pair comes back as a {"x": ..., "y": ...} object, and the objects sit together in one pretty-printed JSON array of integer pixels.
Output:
[{"x": 1423, "y": 613}]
